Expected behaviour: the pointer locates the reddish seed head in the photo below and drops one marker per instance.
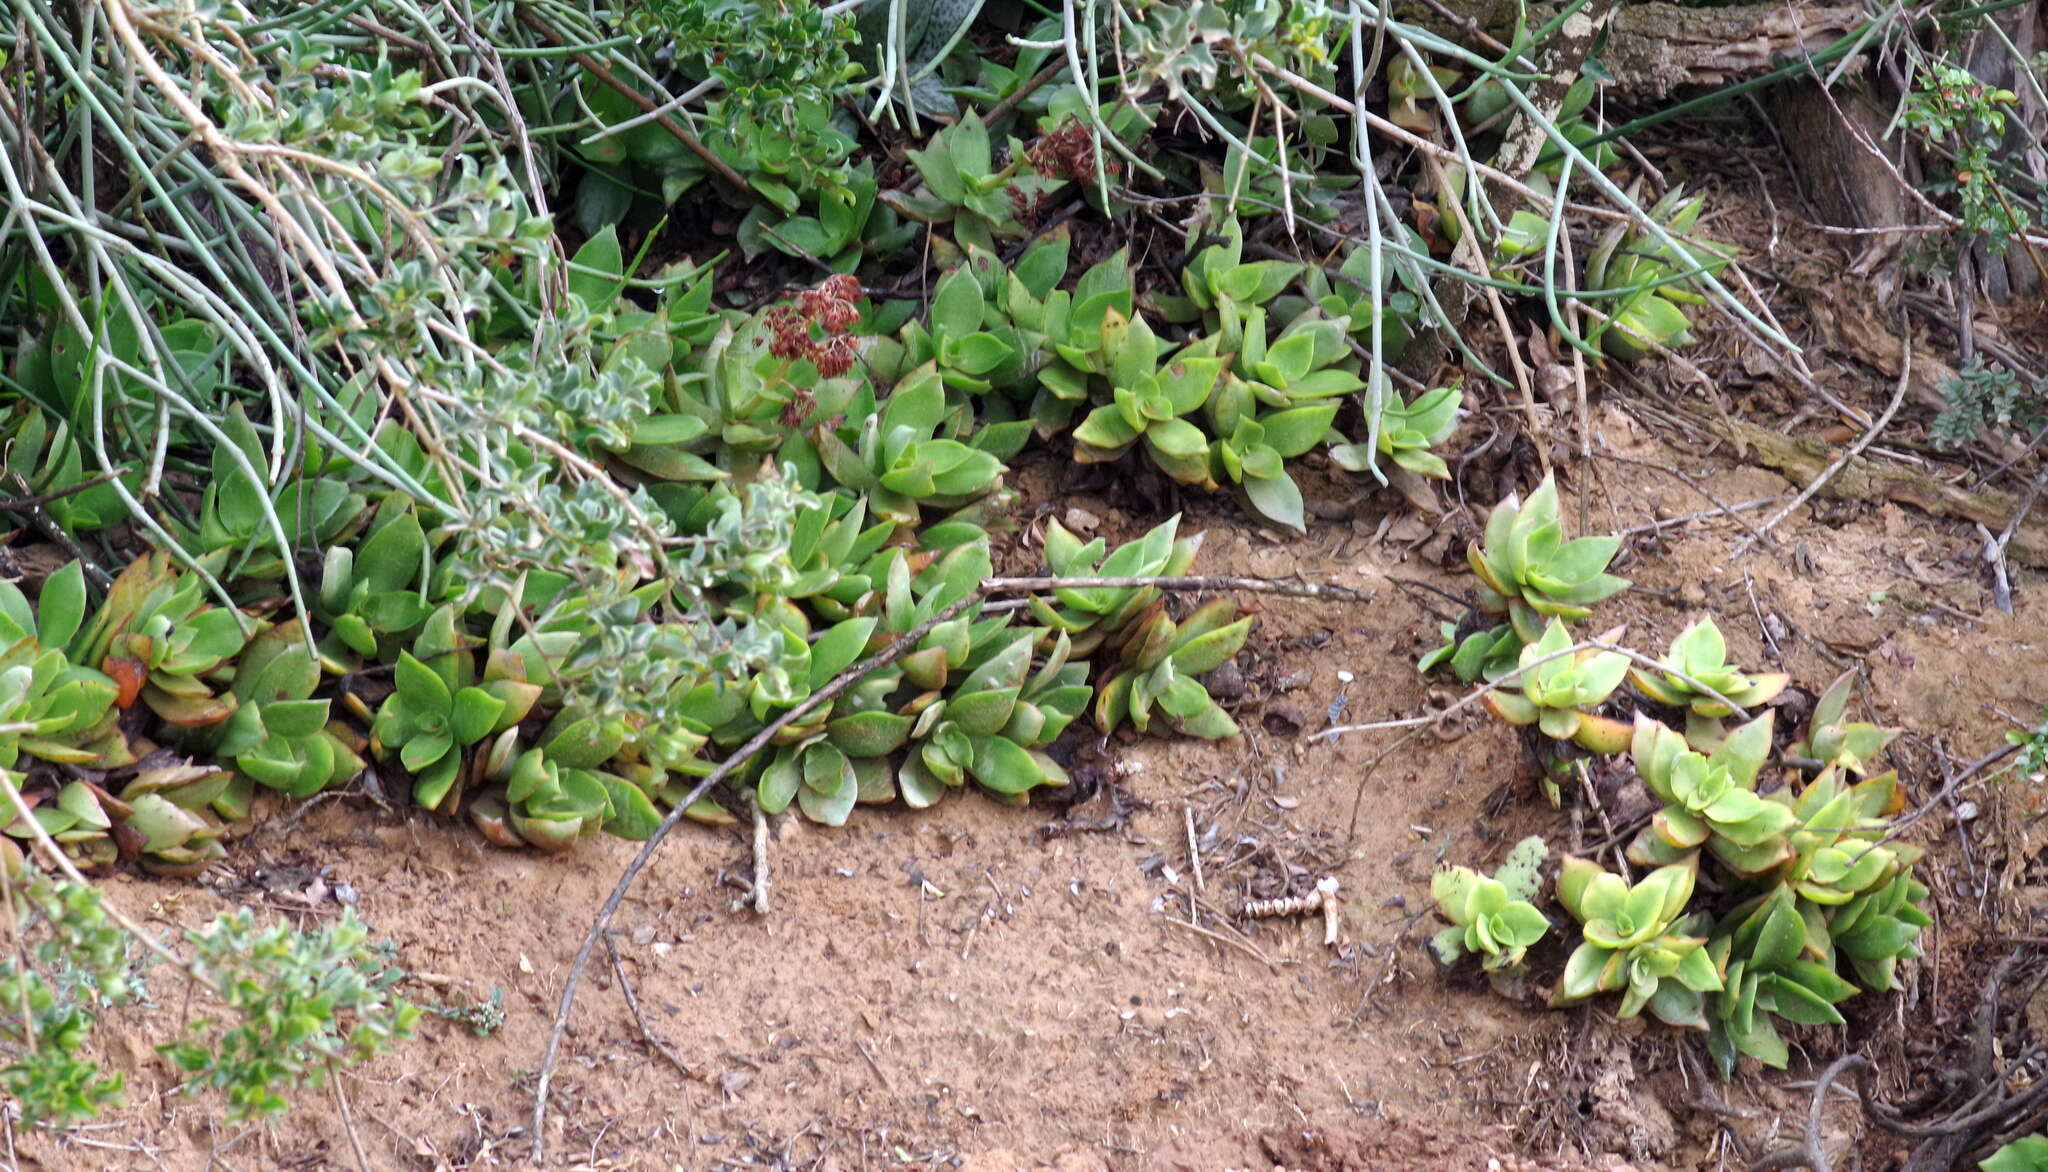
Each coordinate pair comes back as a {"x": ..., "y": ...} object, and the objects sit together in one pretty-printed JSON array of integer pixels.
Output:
[{"x": 832, "y": 307}]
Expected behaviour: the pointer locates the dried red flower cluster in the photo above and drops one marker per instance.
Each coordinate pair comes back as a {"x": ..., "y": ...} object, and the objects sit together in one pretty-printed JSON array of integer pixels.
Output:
[
  {"x": 832, "y": 306},
  {"x": 1067, "y": 153}
]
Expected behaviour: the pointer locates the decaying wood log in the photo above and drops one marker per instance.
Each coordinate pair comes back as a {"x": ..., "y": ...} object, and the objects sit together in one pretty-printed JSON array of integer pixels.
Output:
[
  {"x": 1653, "y": 49},
  {"x": 1800, "y": 460}
]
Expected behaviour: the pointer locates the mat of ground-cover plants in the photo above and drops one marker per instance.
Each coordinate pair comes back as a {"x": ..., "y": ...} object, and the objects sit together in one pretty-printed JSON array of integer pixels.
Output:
[{"x": 1063, "y": 986}]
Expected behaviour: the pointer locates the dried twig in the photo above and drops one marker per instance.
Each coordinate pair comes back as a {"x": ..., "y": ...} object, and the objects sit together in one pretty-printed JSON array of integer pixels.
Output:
[
  {"x": 760, "y": 854},
  {"x": 1248, "y": 949},
  {"x": 1703, "y": 514},
  {"x": 1689, "y": 482},
  {"x": 31, "y": 506},
  {"x": 348, "y": 1125},
  {"x": 1809, "y": 1152},
  {"x": 1008, "y": 106},
  {"x": 1256, "y": 585},
  {"x": 639, "y": 1019},
  {"x": 1995, "y": 547},
  {"x": 1855, "y": 449}
]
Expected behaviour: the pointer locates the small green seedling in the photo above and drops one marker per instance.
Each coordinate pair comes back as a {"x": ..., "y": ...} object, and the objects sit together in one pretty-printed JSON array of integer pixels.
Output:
[{"x": 1492, "y": 918}]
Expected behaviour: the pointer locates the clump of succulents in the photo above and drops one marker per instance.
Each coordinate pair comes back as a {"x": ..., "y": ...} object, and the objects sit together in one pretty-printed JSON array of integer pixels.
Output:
[
  {"x": 1698, "y": 678},
  {"x": 1481, "y": 654},
  {"x": 1559, "y": 690},
  {"x": 1833, "y": 739},
  {"x": 1154, "y": 684},
  {"x": 1653, "y": 278},
  {"x": 158, "y": 639},
  {"x": 1638, "y": 941},
  {"x": 1528, "y": 571},
  {"x": 438, "y": 711},
  {"x": 1774, "y": 964},
  {"x": 1492, "y": 918},
  {"x": 1710, "y": 801},
  {"x": 1089, "y": 614}
]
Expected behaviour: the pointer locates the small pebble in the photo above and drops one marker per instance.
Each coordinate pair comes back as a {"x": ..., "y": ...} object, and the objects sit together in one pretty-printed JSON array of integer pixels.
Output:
[{"x": 345, "y": 894}]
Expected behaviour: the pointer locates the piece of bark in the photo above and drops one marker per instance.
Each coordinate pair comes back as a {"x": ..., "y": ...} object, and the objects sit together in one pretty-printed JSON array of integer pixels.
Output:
[
  {"x": 1800, "y": 460},
  {"x": 1654, "y": 49}
]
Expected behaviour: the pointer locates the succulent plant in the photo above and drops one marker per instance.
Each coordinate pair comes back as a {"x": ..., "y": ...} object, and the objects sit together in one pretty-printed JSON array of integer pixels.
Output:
[
  {"x": 1221, "y": 286},
  {"x": 981, "y": 199},
  {"x": 43, "y": 452},
  {"x": 1407, "y": 90},
  {"x": 1628, "y": 258},
  {"x": 436, "y": 712},
  {"x": 849, "y": 223},
  {"x": 1154, "y": 684},
  {"x": 1491, "y": 917},
  {"x": 71, "y": 709},
  {"x": 1526, "y": 568},
  {"x": 1408, "y": 432},
  {"x": 909, "y": 599},
  {"x": 1026, "y": 298},
  {"x": 1558, "y": 692},
  {"x": 280, "y": 736},
  {"x": 1710, "y": 801},
  {"x": 546, "y": 805},
  {"x": 1834, "y": 740},
  {"x": 80, "y": 821},
  {"x": 376, "y": 592},
  {"x": 1878, "y": 929},
  {"x": 1488, "y": 653},
  {"x": 1774, "y": 964},
  {"x": 2028, "y": 1153},
  {"x": 1149, "y": 401},
  {"x": 1073, "y": 326},
  {"x": 899, "y": 466},
  {"x": 814, "y": 756},
  {"x": 1699, "y": 652},
  {"x": 1348, "y": 292},
  {"x": 991, "y": 727},
  {"x": 1089, "y": 614},
  {"x": 156, "y": 637},
  {"x": 1637, "y": 942},
  {"x": 1309, "y": 363},
  {"x": 312, "y": 510},
  {"x": 969, "y": 340},
  {"x": 757, "y": 390},
  {"x": 1838, "y": 848}
]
